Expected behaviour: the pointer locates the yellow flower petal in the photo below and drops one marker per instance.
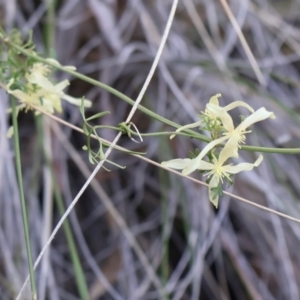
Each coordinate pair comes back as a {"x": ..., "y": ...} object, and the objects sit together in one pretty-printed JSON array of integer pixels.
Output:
[
  {"x": 177, "y": 163},
  {"x": 193, "y": 125},
  {"x": 242, "y": 166},
  {"x": 236, "y": 104},
  {"x": 214, "y": 99},
  {"x": 61, "y": 86},
  {"x": 76, "y": 101},
  {"x": 50, "y": 102},
  {"x": 204, "y": 165},
  {"x": 194, "y": 164},
  {"x": 222, "y": 112},
  {"x": 259, "y": 115}
]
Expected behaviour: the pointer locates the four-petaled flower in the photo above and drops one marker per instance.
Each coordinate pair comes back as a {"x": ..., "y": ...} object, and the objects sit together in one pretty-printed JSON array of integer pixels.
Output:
[
  {"x": 234, "y": 136},
  {"x": 215, "y": 112},
  {"x": 216, "y": 170}
]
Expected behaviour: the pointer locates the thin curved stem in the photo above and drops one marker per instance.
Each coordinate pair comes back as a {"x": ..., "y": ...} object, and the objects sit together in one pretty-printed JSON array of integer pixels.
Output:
[
  {"x": 22, "y": 198},
  {"x": 246, "y": 148}
]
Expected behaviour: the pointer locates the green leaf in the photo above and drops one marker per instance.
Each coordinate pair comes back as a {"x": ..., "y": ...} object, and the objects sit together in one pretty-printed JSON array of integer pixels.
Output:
[
  {"x": 134, "y": 152},
  {"x": 100, "y": 152},
  {"x": 106, "y": 169},
  {"x": 115, "y": 164},
  {"x": 98, "y": 115},
  {"x": 91, "y": 158}
]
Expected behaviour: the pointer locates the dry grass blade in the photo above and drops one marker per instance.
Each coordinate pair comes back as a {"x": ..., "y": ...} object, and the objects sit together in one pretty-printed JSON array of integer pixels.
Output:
[{"x": 244, "y": 43}]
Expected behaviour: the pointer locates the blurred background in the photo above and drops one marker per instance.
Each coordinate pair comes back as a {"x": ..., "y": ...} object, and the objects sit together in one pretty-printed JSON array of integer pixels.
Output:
[{"x": 197, "y": 252}]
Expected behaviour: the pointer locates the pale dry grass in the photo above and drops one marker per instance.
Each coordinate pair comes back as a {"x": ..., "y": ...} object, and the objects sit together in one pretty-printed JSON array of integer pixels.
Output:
[{"x": 236, "y": 252}]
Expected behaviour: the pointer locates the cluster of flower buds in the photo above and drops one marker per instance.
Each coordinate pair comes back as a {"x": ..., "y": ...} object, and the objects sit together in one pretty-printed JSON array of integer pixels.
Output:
[{"x": 217, "y": 120}]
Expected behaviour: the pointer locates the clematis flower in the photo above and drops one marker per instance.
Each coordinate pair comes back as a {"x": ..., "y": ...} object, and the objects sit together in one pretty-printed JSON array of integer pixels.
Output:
[
  {"x": 213, "y": 100},
  {"x": 214, "y": 112},
  {"x": 36, "y": 97},
  {"x": 235, "y": 137},
  {"x": 30, "y": 97},
  {"x": 41, "y": 92},
  {"x": 216, "y": 170},
  {"x": 37, "y": 76}
]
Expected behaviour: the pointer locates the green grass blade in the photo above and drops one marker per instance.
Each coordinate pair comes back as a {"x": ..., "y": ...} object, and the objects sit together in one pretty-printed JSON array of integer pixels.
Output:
[{"x": 22, "y": 198}]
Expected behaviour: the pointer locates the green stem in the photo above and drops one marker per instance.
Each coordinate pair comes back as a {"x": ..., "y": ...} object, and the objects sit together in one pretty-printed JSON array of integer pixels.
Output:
[
  {"x": 49, "y": 28},
  {"x": 148, "y": 112},
  {"x": 22, "y": 198},
  {"x": 247, "y": 148}
]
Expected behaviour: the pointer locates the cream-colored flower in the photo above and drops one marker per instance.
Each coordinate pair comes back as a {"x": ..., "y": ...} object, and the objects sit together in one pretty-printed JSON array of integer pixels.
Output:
[
  {"x": 30, "y": 97},
  {"x": 214, "y": 112},
  {"x": 235, "y": 137},
  {"x": 41, "y": 92},
  {"x": 213, "y": 100},
  {"x": 37, "y": 76},
  {"x": 51, "y": 101},
  {"x": 216, "y": 170},
  {"x": 38, "y": 70}
]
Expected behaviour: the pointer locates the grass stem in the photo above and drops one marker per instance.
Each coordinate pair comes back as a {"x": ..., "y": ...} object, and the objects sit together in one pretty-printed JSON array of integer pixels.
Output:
[{"x": 22, "y": 198}]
